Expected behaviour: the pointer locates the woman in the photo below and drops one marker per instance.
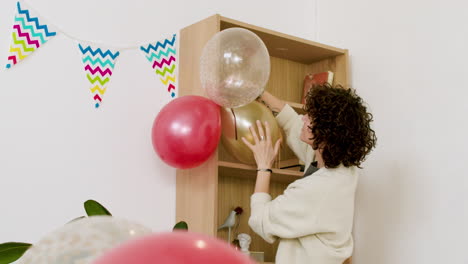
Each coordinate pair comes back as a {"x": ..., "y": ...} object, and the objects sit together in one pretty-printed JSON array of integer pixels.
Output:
[{"x": 313, "y": 218}]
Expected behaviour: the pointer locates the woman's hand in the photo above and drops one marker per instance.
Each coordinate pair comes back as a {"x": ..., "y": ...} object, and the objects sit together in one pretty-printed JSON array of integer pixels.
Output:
[
  {"x": 272, "y": 102},
  {"x": 263, "y": 150}
]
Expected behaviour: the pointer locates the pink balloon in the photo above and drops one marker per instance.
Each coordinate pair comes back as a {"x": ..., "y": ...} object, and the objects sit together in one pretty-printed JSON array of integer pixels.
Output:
[
  {"x": 186, "y": 131},
  {"x": 174, "y": 248}
]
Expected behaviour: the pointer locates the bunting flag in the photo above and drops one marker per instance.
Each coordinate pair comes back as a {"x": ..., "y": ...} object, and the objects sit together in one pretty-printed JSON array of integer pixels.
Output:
[
  {"x": 28, "y": 35},
  {"x": 162, "y": 57},
  {"x": 31, "y": 31},
  {"x": 98, "y": 65}
]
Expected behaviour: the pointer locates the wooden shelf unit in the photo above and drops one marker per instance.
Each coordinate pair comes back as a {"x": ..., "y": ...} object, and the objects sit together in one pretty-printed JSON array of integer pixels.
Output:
[{"x": 205, "y": 195}]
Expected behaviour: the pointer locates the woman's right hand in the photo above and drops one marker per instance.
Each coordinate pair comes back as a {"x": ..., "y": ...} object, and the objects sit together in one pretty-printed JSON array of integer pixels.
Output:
[{"x": 263, "y": 149}]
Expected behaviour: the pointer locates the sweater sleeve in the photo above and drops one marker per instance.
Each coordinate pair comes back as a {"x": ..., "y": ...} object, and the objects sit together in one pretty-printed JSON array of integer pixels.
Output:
[
  {"x": 292, "y": 123},
  {"x": 291, "y": 215}
]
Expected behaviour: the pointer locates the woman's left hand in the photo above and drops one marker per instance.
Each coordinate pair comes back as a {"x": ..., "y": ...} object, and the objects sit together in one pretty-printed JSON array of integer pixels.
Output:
[{"x": 263, "y": 150}]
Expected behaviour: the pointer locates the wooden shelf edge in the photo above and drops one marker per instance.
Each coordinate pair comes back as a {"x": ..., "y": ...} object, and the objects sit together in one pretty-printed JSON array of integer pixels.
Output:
[
  {"x": 214, "y": 16},
  {"x": 282, "y": 35},
  {"x": 295, "y": 105},
  {"x": 299, "y": 108},
  {"x": 241, "y": 166},
  {"x": 285, "y": 164}
]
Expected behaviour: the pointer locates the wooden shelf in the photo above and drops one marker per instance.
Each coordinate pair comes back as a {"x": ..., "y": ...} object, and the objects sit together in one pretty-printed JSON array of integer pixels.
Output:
[
  {"x": 205, "y": 194},
  {"x": 285, "y": 46},
  {"x": 246, "y": 171},
  {"x": 289, "y": 164}
]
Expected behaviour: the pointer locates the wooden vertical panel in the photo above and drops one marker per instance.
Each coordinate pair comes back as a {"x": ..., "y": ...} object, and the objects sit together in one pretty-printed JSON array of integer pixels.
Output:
[
  {"x": 342, "y": 70},
  {"x": 197, "y": 188},
  {"x": 192, "y": 40},
  {"x": 196, "y": 196}
]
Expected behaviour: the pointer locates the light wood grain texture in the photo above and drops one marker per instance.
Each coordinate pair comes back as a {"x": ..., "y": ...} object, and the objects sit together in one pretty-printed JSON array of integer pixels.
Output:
[
  {"x": 192, "y": 40},
  {"x": 197, "y": 189},
  {"x": 342, "y": 70},
  {"x": 285, "y": 46},
  {"x": 196, "y": 196},
  {"x": 286, "y": 79},
  {"x": 236, "y": 191}
]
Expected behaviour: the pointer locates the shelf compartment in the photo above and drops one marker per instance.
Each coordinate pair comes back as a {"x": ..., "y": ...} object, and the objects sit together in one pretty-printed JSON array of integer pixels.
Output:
[
  {"x": 250, "y": 172},
  {"x": 286, "y": 46}
]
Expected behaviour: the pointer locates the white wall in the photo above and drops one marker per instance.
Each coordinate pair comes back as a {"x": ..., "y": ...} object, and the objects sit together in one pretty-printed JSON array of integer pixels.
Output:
[
  {"x": 56, "y": 151},
  {"x": 408, "y": 61}
]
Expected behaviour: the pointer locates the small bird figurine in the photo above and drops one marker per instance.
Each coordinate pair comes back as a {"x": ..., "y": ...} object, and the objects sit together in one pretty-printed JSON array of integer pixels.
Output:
[{"x": 231, "y": 220}]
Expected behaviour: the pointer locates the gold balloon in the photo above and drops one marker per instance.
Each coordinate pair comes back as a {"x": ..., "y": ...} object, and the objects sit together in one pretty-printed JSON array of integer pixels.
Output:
[{"x": 235, "y": 125}]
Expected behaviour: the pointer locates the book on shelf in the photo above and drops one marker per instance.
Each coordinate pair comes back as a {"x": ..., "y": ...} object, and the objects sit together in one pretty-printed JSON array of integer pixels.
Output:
[{"x": 312, "y": 79}]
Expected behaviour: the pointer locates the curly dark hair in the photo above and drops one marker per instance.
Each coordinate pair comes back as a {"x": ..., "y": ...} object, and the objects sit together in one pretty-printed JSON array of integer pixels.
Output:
[{"x": 340, "y": 125}]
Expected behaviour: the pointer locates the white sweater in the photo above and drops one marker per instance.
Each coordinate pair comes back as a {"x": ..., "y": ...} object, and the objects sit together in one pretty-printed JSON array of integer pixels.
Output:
[{"x": 313, "y": 218}]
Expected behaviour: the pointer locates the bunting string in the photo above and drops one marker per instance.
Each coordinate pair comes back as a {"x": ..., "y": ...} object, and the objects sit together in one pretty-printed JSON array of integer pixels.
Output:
[{"x": 31, "y": 31}]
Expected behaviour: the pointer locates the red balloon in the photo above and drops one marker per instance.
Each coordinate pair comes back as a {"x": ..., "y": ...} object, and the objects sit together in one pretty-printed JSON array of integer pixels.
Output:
[
  {"x": 174, "y": 248},
  {"x": 186, "y": 131}
]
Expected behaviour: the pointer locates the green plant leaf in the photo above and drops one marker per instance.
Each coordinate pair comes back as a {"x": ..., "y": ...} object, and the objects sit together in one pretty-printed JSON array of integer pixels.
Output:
[
  {"x": 12, "y": 251},
  {"x": 94, "y": 208},
  {"x": 182, "y": 225},
  {"x": 75, "y": 219}
]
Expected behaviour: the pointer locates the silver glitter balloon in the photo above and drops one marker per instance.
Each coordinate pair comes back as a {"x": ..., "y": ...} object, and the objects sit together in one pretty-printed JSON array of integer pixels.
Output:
[
  {"x": 82, "y": 241},
  {"x": 234, "y": 67}
]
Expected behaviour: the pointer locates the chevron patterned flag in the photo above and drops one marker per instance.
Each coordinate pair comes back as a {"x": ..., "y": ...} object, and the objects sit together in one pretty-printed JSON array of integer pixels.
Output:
[
  {"x": 162, "y": 56},
  {"x": 98, "y": 65},
  {"x": 28, "y": 35}
]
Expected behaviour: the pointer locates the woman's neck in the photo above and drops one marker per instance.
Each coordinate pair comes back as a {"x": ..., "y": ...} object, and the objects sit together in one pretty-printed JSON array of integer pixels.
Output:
[{"x": 319, "y": 159}]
